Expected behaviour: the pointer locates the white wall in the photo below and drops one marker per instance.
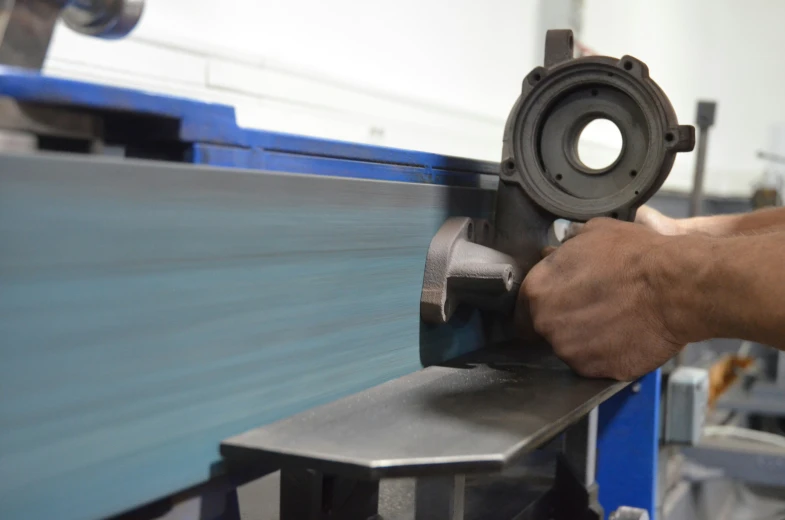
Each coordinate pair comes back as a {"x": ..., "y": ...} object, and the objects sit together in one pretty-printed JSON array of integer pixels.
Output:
[
  {"x": 726, "y": 50},
  {"x": 441, "y": 75},
  {"x": 434, "y": 75}
]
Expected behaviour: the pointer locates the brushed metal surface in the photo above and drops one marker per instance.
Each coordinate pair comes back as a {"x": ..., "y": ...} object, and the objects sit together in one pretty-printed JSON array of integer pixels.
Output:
[
  {"x": 150, "y": 310},
  {"x": 476, "y": 414}
]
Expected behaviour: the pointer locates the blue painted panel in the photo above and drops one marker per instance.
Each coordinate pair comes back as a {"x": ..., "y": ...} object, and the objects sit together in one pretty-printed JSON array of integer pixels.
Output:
[
  {"x": 270, "y": 160},
  {"x": 227, "y": 156},
  {"x": 150, "y": 310},
  {"x": 200, "y": 121},
  {"x": 628, "y": 446},
  {"x": 211, "y": 123}
]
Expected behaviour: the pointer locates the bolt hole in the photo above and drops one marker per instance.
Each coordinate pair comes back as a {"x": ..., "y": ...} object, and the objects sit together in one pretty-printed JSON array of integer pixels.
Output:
[
  {"x": 594, "y": 92},
  {"x": 627, "y": 65},
  {"x": 614, "y": 215},
  {"x": 559, "y": 176},
  {"x": 536, "y": 77},
  {"x": 633, "y": 173},
  {"x": 509, "y": 276},
  {"x": 470, "y": 230},
  {"x": 669, "y": 137},
  {"x": 510, "y": 165},
  {"x": 570, "y": 42},
  {"x": 637, "y": 193},
  {"x": 610, "y": 74}
]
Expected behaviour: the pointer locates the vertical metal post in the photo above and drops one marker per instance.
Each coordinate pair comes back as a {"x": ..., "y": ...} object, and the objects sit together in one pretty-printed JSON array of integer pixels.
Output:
[
  {"x": 628, "y": 446},
  {"x": 704, "y": 121},
  {"x": 781, "y": 369},
  {"x": 311, "y": 495},
  {"x": 26, "y": 28},
  {"x": 301, "y": 494},
  {"x": 580, "y": 448},
  {"x": 440, "y": 498}
]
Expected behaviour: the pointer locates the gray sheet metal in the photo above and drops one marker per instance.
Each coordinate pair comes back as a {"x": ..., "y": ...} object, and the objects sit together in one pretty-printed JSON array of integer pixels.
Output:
[
  {"x": 472, "y": 416},
  {"x": 150, "y": 310}
]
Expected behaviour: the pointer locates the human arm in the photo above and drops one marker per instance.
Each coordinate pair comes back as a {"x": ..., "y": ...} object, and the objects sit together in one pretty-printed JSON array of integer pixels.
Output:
[
  {"x": 618, "y": 300},
  {"x": 716, "y": 225}
]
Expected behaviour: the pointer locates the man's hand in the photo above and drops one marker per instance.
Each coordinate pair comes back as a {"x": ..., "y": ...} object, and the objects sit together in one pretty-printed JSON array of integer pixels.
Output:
[
  {"x": 595, "y": 300},
  {"x": 647, "y": 217}
]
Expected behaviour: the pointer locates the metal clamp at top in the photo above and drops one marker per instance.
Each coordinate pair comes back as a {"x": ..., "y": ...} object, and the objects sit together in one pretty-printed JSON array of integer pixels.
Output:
[{"x": 26, "y": 26}]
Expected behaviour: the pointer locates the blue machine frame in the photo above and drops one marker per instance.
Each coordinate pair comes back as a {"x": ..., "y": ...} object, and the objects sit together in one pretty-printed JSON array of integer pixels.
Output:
[{"x": 629, "y": 429}]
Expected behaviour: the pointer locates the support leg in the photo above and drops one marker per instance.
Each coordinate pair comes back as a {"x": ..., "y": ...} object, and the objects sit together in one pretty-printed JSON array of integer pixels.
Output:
[
  {"x": 440, "y": 498},
  {"x": 627, "y": 446},
  {"x": 312, "y": 495}
]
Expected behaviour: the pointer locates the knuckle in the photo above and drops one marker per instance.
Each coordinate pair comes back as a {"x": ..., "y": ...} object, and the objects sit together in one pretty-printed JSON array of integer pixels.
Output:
[
  {"x": 541, "y": 324},
  {"x": 565, "y": 352},
  {"x": 531, "y": 284},
  {"x": 599, "y": 223},
  {"x": 587, "y": 371},
  {"x": 623, "y": 375}
]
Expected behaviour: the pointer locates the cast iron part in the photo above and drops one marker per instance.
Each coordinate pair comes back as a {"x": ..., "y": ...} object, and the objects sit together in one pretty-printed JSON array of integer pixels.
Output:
[
  {"x": 558, "y": 101},
  {"x": 464, "y": 266},
  {"x": 542, "y": 176}
]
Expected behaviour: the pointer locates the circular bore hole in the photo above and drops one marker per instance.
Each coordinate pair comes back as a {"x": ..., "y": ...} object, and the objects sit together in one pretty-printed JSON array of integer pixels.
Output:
[
  {"x": 559, "y": 176},
  {"x": 614, "y": 215},
  {"x": 669, "y": 137},
  {"x": 510, "y": 165},
  {"x": 470, "y": 230},
  {"x": 536, "y": 77},
  {"x": 509, "y": 277},
  {"x": 627, "y": 65},
  {"x": 633, "y": 173},
  {"x": 637, "y": 193},
  {"x": 594, "y": 92},
  {"x": 570, "y": 41},
  {"x": 486, "y": 228},
  {"x": 599, "y": 144}
]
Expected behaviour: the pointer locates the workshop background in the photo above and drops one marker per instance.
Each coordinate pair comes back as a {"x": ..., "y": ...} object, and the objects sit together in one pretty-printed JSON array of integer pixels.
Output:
[{"x": 441, "y": 76}]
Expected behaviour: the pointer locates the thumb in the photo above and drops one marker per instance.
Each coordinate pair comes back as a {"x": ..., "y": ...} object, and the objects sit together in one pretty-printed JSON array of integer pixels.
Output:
[{"x": 573, "y": 230}]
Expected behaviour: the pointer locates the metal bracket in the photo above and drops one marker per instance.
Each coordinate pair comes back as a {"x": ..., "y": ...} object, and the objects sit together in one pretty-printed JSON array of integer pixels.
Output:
[{"x": 462, "y": 268}]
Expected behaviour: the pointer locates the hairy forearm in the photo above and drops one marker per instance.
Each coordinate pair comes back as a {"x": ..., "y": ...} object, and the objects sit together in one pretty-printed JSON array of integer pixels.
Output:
[
  {"x": 731, "y": 287},
  {"x": 747, "y": 223}
]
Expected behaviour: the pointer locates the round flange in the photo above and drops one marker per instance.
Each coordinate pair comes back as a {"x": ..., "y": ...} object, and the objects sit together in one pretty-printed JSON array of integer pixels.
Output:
[
  {"x": 108, "y": 19},
  {"x": 543, "y": 130}
]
